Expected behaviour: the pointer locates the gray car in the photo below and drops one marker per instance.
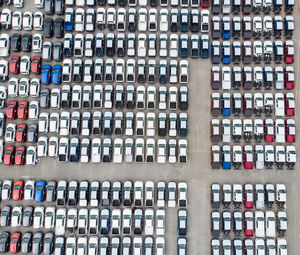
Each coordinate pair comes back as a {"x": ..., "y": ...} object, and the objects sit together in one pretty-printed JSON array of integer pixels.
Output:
[
  {"x": 28, "y": 216},
  {"x": 58, "y": 51},
  {"x": 45, "y": 98},
  {"x": 37, "y": 243},
  {"x": 4, "y": 242},
  {"x": 48, "y": 243},
  {"x": 32, "y": 133},
  {"x": 5, "y": 216},
  {"x": 51, "y": 191},
  {"x": 26, "y": 244}
]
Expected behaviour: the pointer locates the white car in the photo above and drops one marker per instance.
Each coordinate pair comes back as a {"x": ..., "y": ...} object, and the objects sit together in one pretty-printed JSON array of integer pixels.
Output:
[
  {"x": 17, "y": 20},
  {"x": 126, "y": 221},
  {"x": 184, "y": 71},
  {"x": 259, "y": 223},
  {"x": 27, "y": 20},
  {"x": 16, "y": 216},
  {"x": 42, "y": 147},
  {"x": 71, "y": 222},
  {"x": 19, "y": 3},
  {"x": 161, "y": 150},
  {"x": 182, "y": 194},
  {"x": 54, "y": 122},
  {"x": 10, "y": 133},
  {"x": 171, "y": 194},
  {"x": 4, "y": 45},
  {"x": 33, "y": 110},
  {"x": 31, "y": 155},
  {"x": 44, "y": 122},
  {"x": 140, "y": 124},
  {"x": 142, "y": 20},
  {"x": 29, "y": 190},
  {"x": 38, "y": 21},
  {"x": 96, "y": 150},
  {"x": 35, "y": 87},
  {"x": 37, "y": 43},
  {"x": 163, "y": 25},
  {"x": 116, "y": 221},
  {"x": 53, "y": 146},
  {"x": 6, "y": 19},
  {"x": 50, "y": 217},
  {"x": 138, "y": 193},
  {"x": 65, "y": 123},
  {"x": 60, "y": 223},
  {"x": 160, "y": 222},
  {"x": 163, "y": 45},
  {"x": 149, "y": 221},
  {"x": 79, "y": 20},
  {"x": 142, "y": 49},
  {"x": 270, "y": 224},
  {"x": 182, "y": 151},
  {"x": 160, "y": 245},
  {"x": 279, "y": 104},
  {"x": 150, "y": 124},
  {"x": 38, "y": 217},
  {"x": 259, "y": 196},
  {"x": 13, "y": 87},
  {"x": 152, "y": 22},
  {"x": 173, "y": 50},
  {"x": 118, "y": 150}
]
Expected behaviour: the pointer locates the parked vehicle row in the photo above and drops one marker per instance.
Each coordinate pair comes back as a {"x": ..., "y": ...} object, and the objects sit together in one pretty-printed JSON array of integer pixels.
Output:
[
  {"x": 252, "y": 27},
  {"x": 82, "y": 193},
  {"x": 85, "y": 150},
  {"x": 47, "y": 243},
  {"x": 86, "y": 221},
  {"x": 88, "y": 97},
  {"x": 259, "y": 245},
  {"x": 248, "y": 7},
  {"x": 110, "y": 71},
  {"x": 267, "y": 130},
  {"x": 130, "y": 45},
  {"x": 259, "y": 224},
  {"x": 247, "y": 77},
  {"x": 249, "y": 104},
  {"x": 141, "y": 20},
  {"x": 227, "y": 52},
  {"x": 258, "y": 156}
]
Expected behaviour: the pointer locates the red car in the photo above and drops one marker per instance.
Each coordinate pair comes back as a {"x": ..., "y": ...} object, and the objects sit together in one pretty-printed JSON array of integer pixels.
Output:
[
  {"x": 14, "y": 65},
  {"x": 23, "y": 110},
  {"x": 205, "y": 3},
  {"x": 11, "y": 112},
  {"x": 269, "y": 130},
  {"x": 248, "y": 196},
  {"x": 36, "y": 65},
  {"x": 15, "y": 243},
  {"x": 9, "y": 155},
  {"x": 289, "y": 77},
  {"x": 21, "y": 133},
  {"x": 290, "y": 131},
  {"x": 247, "y": 6},
  {"x": 289, "y": 52},
  {"x": 248, "y": 223},
  {"x": 18, "y": 187},
  {"x": 289, "y": 104},
  {"x": 248, "y": 157},
  {"x": 20, "y": 155}
]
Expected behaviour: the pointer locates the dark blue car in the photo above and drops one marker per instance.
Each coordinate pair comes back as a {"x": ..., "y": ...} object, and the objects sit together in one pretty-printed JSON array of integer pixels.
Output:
[
  {"x": 184, "y": 46},
  {"x": 184, "y": 20},
  {"x": 40, "y": 188},
  {"x": 69, "y": 19},
  {"x": 56, "y": 74},
  {"x": 46, "y": 74}
]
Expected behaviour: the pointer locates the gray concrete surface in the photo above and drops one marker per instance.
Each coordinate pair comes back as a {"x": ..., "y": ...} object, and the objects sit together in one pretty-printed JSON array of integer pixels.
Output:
[{"x": 196, "y": 172}]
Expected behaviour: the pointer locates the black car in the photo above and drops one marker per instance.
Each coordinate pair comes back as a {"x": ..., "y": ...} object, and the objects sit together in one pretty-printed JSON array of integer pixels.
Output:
[
  {"x": 122, "y": 2},
  {"x": 174, "y": 20},
  {"x": 4, "y": 242},
  {"x": 26, "y": 42},
  {"x": 32, "y": 133},
  {"x": 45, "y": 98},
  {"x": 101, "y": 2},
  {"x": 48, "y": 27},
  {"x": 26, "y": 243},
  {"x": 153, "y": 3},
  {"x": 110, "y": 45},
  {"x": 59, "y": 28},
  {"x": 195, "y": 24},
  {"x": 59, "y": 7},
  {"x": 57, "y": 51},
  {"x": 49, "y": 7},
  {"x": 16, "y": 42}
]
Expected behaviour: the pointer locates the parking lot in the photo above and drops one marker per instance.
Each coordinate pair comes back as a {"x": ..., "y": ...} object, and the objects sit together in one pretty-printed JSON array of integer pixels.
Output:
[{"x": 196, "y": 172}]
